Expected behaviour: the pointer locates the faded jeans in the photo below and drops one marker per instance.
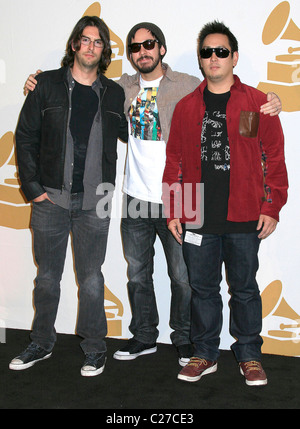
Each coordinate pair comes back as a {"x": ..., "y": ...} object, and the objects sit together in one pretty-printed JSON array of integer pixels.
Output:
[
  {"x": 139, "y": 235},
  {"x": 51, "y": 226}
]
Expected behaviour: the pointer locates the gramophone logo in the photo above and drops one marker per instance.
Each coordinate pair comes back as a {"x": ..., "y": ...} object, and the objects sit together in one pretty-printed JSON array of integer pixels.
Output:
[
  {"x": 15, "y": 212},
  {"x": 281, "y": 324},
  {"x": 284, "y": 72}
]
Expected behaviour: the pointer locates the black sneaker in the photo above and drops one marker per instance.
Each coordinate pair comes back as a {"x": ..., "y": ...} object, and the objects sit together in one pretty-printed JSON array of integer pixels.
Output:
[
  {"x": 134, "y": 349},
  {"x": 29, "y": 357},
  {"x": 93, "y": 365},
  {"x": 185, "y": 352}
]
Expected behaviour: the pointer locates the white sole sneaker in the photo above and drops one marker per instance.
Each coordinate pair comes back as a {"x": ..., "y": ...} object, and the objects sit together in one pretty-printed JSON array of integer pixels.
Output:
[
  {"x": 90, "y": 371},
  {"x": 198, "y": 377},
  {"x": 255, "y": 382},
  {"x": 18, "y": 365},
  {"x": 126, "y": 356}
]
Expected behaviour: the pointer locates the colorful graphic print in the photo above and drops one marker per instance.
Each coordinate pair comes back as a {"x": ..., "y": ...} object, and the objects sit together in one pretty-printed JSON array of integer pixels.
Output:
[{"x": 144, "y": 117}]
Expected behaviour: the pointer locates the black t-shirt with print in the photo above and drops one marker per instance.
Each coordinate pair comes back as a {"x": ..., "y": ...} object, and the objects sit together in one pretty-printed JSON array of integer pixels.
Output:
[{"x": 215, "y": 168}]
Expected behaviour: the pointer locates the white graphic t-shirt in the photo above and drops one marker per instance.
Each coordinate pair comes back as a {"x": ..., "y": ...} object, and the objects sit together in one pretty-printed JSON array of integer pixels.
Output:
[{"x": 146, "y": 154}]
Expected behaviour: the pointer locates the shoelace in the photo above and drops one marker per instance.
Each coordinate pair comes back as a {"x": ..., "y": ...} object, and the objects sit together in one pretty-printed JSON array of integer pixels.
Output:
[
  {"x": 252, "y": 366},
  {"x": 195, "y": 361},
  {"x": 33, "y": 348},
  {"x": 92, "y": 359}
]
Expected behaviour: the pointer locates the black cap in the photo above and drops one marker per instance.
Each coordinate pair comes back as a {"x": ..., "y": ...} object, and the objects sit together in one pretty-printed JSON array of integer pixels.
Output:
[{"x": 151, "y": 27}]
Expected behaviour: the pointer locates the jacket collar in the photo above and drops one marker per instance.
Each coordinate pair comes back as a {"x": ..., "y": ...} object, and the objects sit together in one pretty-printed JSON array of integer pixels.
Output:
[
  {"x": 64, "y": 74},
  {"x": 237, "y": 84}
]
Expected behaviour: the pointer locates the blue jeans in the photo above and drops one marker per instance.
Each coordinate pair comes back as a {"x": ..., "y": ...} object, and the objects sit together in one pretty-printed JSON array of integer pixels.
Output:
[
  {"x": 51, "y": 226},
  {"x": 239, "y": 252},
  {"x": 139, "y": 236}
]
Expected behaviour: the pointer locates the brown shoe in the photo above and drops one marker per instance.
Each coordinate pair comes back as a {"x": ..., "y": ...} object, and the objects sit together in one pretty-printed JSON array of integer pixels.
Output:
[
  {"x": 196, "y": 368},
  {"x": 253, "y": 373}
]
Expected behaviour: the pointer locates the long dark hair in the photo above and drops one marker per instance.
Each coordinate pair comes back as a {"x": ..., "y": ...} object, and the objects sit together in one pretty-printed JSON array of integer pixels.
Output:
[{"x": 74, "y": 42}]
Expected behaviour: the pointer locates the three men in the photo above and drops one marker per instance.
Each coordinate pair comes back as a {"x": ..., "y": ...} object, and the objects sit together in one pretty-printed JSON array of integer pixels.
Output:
[
  {"x": 150, "y": 99},
  {"x": 221, "y": 139}
]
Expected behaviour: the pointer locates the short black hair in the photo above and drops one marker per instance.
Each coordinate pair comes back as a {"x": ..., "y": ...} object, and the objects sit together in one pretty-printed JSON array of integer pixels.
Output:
[{"x": 216, "y": 27}]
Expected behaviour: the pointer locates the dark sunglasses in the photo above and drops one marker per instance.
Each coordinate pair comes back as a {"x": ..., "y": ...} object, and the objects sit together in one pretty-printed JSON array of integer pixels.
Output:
[
  {"x": 220, "y": 52},
  {"x": 147, "y": 44}
]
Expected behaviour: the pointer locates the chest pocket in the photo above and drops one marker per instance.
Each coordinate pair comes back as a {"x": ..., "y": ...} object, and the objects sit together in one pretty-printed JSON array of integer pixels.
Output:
[{"x": 249, "y": 122}]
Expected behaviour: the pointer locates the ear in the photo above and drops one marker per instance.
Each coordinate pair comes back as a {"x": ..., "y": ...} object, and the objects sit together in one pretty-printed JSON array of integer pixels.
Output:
[
  {"x": 162, "y": 51},
  {"x": 72, "y": 45},
  {"x": 200, "y": 61},
  {"x": 235, "y": 58}
]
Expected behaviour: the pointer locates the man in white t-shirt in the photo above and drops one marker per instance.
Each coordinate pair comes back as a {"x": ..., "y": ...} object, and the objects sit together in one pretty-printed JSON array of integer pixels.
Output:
[{"x": 149, "y": 115}]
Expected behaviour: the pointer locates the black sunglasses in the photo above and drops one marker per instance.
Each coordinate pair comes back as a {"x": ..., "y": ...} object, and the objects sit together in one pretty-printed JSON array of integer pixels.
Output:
[
  {"x": 220, "y": 52},
  {"x": 147, "y": 44}
]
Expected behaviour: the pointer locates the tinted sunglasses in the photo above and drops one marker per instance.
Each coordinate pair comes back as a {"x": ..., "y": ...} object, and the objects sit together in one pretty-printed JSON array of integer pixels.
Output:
[
  {"x": 147, "y": 44},
  {"x": 220, "y": 52}
]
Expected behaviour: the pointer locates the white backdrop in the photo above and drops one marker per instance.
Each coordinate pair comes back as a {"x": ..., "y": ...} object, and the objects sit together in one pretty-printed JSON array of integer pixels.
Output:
[{"x": 33, "y": 35}]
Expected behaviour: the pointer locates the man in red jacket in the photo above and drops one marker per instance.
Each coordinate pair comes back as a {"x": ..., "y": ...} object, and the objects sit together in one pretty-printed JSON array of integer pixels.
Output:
[{"x": 236, "y": 153}]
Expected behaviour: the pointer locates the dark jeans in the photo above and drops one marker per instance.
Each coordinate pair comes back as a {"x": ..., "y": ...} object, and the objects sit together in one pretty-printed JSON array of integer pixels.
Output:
[
  {"x": 139, "y": 236},
  {"x": 51, "y": 227},
  {"x": 239, "y": 252}
]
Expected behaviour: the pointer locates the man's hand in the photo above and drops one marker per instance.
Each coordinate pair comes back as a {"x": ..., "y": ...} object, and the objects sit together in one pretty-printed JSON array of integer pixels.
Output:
[
  {"x": 273, "y": 107},
  {"x": 176, "y": 229},
  {"x": 41, "y": 198},
  {"x": 31, "y": 82},
  {"x": 268, "y": 225}
]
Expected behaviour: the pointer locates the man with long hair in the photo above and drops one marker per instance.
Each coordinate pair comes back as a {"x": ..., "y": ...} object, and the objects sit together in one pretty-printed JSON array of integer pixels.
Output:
[{"x": 66, "y": 143}]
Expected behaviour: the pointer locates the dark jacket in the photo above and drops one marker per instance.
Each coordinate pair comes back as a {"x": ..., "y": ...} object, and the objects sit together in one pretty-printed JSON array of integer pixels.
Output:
[{"x": 41, "y": 133}]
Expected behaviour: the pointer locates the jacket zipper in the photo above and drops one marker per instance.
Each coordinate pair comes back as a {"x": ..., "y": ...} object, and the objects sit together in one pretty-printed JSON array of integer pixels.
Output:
[{"x": 65, "y": 142}]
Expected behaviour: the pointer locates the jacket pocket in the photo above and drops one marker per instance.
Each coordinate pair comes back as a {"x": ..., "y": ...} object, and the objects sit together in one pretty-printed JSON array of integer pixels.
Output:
[
  {"x": 249, "y": 122},
  {"x": 117, "y": 115},
  {"x": 51, "y": 110}
]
